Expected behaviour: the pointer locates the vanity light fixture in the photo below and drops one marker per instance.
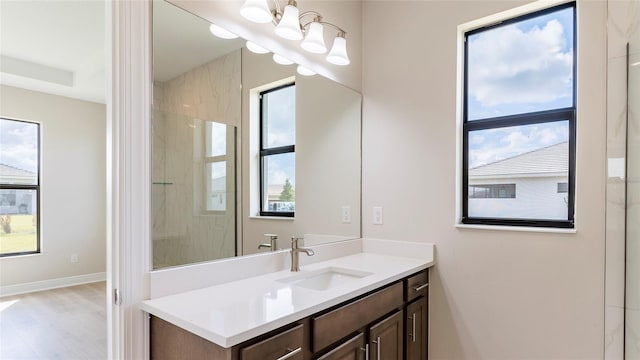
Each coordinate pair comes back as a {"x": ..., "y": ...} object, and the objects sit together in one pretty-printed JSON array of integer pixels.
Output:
[
  {"x": 305, "y": 71},
  {"x": 314, "y": 40},
  {"x": 221, "y": 32},
  {"x": 281, "y": 60},
  {"x": 289, "y": 25},
  {"x": 255, "y": 48},
  {"x": 338, "y": 54},
  {"x": 257, "y": 11}
]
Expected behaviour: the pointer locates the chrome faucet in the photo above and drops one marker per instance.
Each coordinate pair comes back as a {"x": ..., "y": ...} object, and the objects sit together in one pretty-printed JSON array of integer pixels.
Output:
[
  {"x": 273, "y": 242},
  {"x": 295, "y": 262}
]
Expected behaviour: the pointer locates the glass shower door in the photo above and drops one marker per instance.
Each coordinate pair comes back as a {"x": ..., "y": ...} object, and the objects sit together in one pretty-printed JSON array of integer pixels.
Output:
[{"x": 632, "y": 278}]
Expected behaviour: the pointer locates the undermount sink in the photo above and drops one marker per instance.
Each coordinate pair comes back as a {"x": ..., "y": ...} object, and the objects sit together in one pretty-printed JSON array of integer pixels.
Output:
[{"x": 326, "y": 278}]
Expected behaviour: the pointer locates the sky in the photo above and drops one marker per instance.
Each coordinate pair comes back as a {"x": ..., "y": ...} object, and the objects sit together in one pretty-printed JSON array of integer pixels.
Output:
[
  {"x": 520, "y": 68},
  {"x": 19, "y": 144}
]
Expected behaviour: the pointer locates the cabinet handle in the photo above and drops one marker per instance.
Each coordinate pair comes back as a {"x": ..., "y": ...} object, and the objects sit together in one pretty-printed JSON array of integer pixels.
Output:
[
  {"x": 377, "y": 342},
  {"x": 418, "y": 288},
  {"x": 413, "y": 327},
  {"x": 290, "y": 354},
  {"x": 366, "y": 351}
]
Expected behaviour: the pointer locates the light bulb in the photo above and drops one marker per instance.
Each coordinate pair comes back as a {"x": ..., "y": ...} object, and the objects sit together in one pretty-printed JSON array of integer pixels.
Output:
[
  {"x": 257, "y": 11},
  {"x": 305, "y": 71},
  {"x": 221, "y": 33},
  {"x": 255, "y": 48},
  {"x": 281, "y": 60},
  {"x": 314, "y": 41},
  {"x": 289, "y": 25},
  {"x": 338, "y": 54}
]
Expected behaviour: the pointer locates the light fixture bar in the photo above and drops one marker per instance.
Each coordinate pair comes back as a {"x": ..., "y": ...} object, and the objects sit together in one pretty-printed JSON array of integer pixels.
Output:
[{"x": 289, "y": 25}]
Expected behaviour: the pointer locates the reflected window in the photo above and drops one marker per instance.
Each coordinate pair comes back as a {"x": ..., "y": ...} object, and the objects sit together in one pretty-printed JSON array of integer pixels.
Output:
[
  {"x": 19, "y": 187},
  {"x": 519, "y": 121},
  {"x": 216, "y": 160},
  {"x": 277, "y": 151}
]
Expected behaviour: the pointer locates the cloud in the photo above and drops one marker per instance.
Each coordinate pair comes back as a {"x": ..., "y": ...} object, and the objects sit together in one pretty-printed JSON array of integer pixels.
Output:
[
  {"x": 510, "y": 66},
  {"x": 280, "y": 168}
]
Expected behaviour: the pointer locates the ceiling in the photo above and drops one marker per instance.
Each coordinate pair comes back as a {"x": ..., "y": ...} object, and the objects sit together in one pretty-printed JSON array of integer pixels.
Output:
[
  {"x": 58, "y": 47},
  {"x": 177, "y": 32}
]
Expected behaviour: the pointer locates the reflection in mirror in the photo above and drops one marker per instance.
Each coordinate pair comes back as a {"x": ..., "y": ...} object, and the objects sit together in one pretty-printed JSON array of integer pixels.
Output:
[{"x": 206, "y": 138}]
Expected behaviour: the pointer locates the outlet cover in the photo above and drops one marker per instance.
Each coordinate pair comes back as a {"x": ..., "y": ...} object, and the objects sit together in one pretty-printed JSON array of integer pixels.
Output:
[
  {"x": 377, "y": 215},
  {"x": 346, "y": 215}
]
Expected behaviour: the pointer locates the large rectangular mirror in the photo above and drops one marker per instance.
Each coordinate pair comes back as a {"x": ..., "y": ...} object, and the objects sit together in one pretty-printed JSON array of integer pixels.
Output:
[{"x": 244, "y": 147}]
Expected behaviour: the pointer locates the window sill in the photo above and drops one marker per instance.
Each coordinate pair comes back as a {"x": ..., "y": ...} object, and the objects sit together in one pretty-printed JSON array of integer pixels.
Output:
[
  {"x": 517, "y": 228},
  {"x": 20, "y": 256},
  {"x": 286, "y": 218}
]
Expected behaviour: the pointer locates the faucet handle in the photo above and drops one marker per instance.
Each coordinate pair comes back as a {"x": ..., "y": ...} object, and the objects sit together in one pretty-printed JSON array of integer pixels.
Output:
[
  {"x": 273, "y": 243},
  {"x": 294, "y": 239}
]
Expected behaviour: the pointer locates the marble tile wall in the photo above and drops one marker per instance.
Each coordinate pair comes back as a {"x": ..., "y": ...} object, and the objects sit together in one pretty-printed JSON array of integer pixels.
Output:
[
  {"x": 182, "y": 232},
  {"x": 623, "y": 192}
]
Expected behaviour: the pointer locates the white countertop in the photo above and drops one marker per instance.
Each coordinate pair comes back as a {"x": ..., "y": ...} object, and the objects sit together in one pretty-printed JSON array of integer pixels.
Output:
[{"x": 230, "y": 313}]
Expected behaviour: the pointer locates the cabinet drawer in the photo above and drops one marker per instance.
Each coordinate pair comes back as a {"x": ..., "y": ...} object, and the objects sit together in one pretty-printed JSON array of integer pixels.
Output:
[
  {"x": 286, "y": 345},
  {"x": 417, "y": 285},
  {"x": 334, "y": 325}
]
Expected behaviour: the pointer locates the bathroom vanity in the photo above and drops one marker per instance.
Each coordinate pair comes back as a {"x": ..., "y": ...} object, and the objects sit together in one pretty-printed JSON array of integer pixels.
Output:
[{"x": 368, "y": 305}]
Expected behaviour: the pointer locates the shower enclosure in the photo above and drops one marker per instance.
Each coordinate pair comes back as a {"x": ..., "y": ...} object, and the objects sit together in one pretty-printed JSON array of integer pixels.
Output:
[
  {"x": 193, "y": 190},
  {"x": 632, "y": 250},
  {"x": 622, "y": 283}
]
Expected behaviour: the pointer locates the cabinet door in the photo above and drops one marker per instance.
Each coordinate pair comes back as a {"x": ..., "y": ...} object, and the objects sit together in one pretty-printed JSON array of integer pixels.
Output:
[
  {"x": 353, "y": 349},
  {"x": 385, "y": 338},
  {"x": 286, "y": 345},
  {"x": 416, "y": 340}
]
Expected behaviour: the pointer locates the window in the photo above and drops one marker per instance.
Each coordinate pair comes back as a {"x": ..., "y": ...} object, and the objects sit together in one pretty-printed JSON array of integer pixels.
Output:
[
  {"x": 216, "y": 157},
  {"x": 19, "y": 187},
  {"x": 519, "y": 121},
  {"x": 492, "y": 191},
  {"x": 277, "y": 151},
  {"x": 563, "y": 187}
]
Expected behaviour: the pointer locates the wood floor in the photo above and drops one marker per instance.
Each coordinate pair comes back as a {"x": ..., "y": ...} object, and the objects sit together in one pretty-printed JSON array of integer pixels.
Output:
[{"x": 68, "y": 323}]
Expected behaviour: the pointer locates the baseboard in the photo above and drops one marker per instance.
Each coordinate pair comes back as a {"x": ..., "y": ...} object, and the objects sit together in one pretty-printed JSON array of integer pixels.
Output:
[{"x": 18, "y": 289}]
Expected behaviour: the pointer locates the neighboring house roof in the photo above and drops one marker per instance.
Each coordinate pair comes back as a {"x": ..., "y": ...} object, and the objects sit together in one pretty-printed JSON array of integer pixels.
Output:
[
  {"x": 13, "y": 175},
  {"x": 548, "y": 161}
]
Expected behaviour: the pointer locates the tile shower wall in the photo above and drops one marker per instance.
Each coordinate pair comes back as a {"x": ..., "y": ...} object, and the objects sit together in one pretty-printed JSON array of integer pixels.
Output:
[
  {"x": 181, "y": 232},
  {"x": 623, "y": 28},
  {"x": 632, "y": 302}
]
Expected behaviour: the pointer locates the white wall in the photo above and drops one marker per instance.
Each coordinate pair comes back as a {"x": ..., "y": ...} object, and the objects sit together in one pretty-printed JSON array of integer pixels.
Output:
[
  {"x": 73, "y": 186},
  {"x": 494, "y": 294}
]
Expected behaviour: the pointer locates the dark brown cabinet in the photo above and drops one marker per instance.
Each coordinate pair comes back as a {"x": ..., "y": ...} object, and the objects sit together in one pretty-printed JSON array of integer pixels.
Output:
[
  {"x": 416, "y": 326},
  {"x": 386, "y": 338},
  {"x": 389, "y": 323}
]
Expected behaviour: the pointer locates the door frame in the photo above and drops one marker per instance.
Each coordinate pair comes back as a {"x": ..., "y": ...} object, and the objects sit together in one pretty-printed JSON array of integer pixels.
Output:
[{"x": 128, "y": 175}]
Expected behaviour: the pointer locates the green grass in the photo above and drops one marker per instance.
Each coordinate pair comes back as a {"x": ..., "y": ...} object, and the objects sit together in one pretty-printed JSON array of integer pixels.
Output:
[{"x": 22, "y": 237}]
